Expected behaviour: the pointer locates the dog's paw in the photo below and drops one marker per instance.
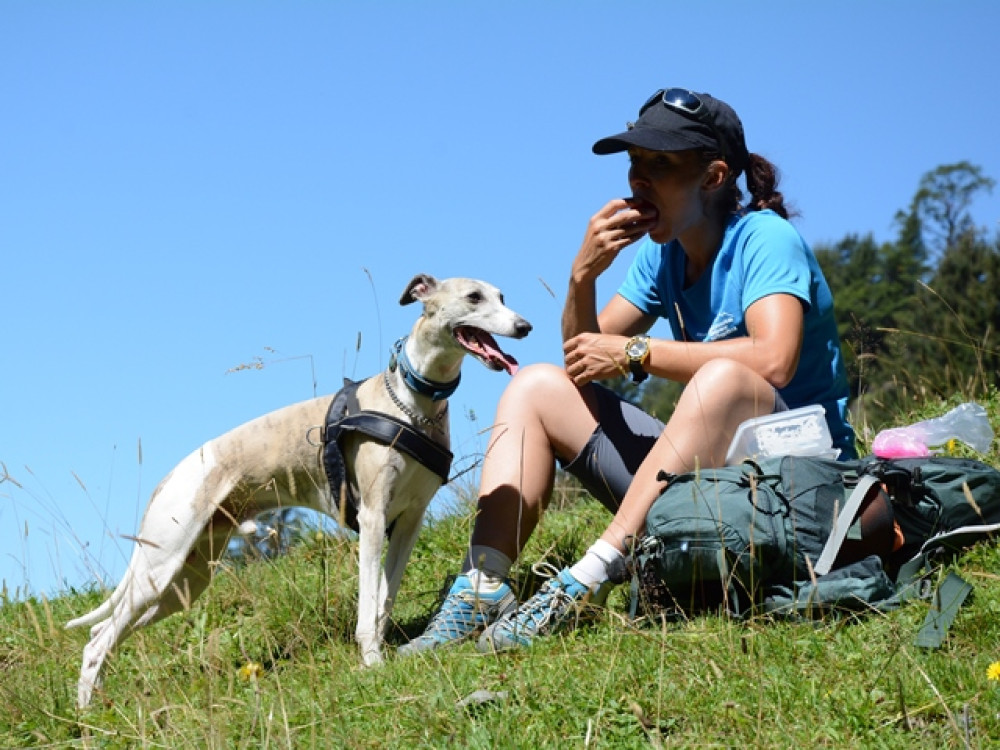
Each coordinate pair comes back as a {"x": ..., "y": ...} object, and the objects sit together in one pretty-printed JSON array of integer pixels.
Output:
[{"x": 372, "y": 657}]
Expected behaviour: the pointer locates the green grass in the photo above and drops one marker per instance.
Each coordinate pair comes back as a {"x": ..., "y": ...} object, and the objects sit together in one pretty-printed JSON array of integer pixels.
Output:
[{"x": 704, "y": 682}]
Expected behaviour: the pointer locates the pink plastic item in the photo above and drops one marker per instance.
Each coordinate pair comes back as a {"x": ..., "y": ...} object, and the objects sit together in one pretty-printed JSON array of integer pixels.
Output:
[
  {"x": 899, "y": 443},
  {"x": 966, "y": 422}
]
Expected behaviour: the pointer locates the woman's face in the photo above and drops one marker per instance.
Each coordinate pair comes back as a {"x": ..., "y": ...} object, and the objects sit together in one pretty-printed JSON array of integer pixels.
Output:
[{"x": 671, "y": 182}]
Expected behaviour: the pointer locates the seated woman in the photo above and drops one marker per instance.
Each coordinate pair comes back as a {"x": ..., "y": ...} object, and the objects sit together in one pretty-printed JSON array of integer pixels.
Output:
[{"x": 753, "y": 332}]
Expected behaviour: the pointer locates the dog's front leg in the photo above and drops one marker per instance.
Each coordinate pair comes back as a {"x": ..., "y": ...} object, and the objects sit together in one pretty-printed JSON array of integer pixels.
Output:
[
  {"x": 404, "y": 536},
  {"x": 371, "y": 593}
]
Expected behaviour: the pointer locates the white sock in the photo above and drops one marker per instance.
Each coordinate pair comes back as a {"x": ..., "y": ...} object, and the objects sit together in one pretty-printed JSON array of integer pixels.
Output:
[
  {"x": 593, "y": 566},
  {"x": 486, "y": 567},
  {"x": 483, "y": 581}
]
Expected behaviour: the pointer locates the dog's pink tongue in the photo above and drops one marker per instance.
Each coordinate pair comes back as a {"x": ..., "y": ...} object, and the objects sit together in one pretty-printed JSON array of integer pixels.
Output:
[{"x": 484, "y": 347}]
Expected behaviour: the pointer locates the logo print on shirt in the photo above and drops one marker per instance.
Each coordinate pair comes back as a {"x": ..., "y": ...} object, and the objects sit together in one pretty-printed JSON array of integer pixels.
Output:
[{"x": 723, "y": 327}]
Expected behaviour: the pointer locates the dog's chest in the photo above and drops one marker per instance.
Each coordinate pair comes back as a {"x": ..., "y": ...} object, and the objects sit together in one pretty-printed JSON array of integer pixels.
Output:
[{"x": 388, "y": 478}]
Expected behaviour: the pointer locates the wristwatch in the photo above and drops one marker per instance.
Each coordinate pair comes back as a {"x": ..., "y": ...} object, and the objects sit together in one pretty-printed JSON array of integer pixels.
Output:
[{"x": 637, "y": 351}]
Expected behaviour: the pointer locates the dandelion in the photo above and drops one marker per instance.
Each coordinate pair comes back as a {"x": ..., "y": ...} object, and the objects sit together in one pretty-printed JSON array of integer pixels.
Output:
[
  {"x": 993, "y": 673},
  {"x": 251, "y": 671}
]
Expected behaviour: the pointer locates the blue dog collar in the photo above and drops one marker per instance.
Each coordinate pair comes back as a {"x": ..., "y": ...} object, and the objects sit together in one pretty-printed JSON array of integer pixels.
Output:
[{"x": 434, "y": 390}]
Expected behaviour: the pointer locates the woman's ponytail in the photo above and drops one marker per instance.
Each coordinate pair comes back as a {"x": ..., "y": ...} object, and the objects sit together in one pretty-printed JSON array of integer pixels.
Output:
[{"x": 762, "y": 182}]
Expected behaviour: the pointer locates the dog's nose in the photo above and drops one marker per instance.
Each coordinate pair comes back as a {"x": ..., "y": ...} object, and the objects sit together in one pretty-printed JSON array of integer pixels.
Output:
[{"x": 522, "y": 328}]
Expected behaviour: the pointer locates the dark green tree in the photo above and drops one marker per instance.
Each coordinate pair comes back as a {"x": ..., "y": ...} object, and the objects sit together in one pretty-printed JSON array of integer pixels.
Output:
[
  {"x": 873, "y": 287},
  {"x": 905, "y": 309},
  {"x": 852, "y": 267},
  {"x": 962, "y": 314},
  {"x": 953, "y": 316},
  {"x": 943, "y": 200}
]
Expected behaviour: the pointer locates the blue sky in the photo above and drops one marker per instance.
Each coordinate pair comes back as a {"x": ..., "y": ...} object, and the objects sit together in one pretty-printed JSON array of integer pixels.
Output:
[{"x": 186, "y": 187}]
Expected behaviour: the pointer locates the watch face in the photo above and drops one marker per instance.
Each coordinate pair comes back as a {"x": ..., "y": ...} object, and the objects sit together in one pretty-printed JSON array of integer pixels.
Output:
[{"x": 637, "y": 348}]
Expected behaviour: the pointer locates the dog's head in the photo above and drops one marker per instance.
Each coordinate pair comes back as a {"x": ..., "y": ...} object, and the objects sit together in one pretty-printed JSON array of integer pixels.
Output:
[{"x": 469, "y": 312}]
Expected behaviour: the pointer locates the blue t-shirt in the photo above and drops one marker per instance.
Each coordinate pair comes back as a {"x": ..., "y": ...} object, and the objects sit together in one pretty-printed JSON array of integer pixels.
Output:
[{"x": 761, "y": 254}]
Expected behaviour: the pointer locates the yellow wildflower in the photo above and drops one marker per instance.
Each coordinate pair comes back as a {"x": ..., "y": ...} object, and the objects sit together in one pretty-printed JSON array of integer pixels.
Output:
[
  {"x": 993, "y": 673},
  {"x": 251, "y": 671}
]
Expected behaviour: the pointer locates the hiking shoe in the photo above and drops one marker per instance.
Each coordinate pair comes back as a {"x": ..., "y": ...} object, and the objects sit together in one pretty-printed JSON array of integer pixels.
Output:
[
  {"x": 463, "y": 614},
  {"x": 557, "y": 605}
]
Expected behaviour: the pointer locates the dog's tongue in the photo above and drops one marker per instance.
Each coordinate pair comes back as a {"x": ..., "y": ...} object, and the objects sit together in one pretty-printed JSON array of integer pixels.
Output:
[{"x": 484, "y": 347}]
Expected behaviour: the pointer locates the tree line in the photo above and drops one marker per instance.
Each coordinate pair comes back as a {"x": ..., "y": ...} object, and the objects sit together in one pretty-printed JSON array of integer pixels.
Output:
[{"x": 917, "y": 316}]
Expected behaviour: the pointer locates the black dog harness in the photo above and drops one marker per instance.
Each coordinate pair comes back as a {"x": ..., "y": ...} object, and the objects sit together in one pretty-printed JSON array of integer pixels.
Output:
[{"x": 345, "y": 415}]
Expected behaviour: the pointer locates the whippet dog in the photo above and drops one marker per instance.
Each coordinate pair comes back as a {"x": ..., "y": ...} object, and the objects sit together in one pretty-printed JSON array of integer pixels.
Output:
[{"x": 391, "y": 456}]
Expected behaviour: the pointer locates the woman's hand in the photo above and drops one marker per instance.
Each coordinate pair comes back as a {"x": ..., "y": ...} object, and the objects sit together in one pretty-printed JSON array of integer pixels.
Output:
[
  {"x": 618, "y": 224},
  {"x": 621, "y": 222},
  {"x": 595, "y": 356}
]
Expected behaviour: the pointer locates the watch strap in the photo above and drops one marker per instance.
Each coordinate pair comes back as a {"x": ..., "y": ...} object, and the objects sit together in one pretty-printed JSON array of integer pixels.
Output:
[
  {"x": 638, "y": 374},
  {"x": 635, "y": 364}
]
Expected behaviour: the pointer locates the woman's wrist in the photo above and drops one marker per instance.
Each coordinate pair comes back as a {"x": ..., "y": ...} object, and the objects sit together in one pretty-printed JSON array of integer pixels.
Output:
[{"x": 579, "y": 277}]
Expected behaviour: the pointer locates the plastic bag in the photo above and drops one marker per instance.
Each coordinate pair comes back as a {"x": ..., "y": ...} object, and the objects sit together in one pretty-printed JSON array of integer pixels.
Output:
[{"x": 966, "y": 422}]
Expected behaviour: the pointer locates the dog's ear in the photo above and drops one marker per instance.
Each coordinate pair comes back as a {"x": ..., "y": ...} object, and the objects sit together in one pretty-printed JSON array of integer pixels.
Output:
[{"x": 420, "y": 287}]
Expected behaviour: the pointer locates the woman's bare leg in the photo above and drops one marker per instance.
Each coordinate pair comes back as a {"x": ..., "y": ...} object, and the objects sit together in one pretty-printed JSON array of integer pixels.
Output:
[
  {"x": 720, "y": 396},
  {"x": 541, "y": 415}
]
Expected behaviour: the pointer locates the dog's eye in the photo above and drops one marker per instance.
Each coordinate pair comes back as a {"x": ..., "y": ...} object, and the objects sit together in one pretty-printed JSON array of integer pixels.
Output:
[{"x": 474, "y": 297}]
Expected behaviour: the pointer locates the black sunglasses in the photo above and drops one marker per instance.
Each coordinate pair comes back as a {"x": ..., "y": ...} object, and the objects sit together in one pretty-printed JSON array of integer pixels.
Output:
[{"x": 690, "y": 105}]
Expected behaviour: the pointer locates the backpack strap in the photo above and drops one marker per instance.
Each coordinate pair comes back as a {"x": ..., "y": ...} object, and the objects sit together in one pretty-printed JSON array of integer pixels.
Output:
[
  {"x": 947, "y": 600},
  {"x": 952, "y": 592},
  {"x": 842, "y": 524}
]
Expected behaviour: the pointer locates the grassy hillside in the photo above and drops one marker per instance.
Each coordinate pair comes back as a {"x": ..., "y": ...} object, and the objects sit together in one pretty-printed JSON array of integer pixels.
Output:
[{"x": 265, "y": 659}]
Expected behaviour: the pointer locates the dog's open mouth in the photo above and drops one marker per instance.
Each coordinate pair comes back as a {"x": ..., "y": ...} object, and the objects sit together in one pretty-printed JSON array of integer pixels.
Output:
[{"x": 483, "y": 347}]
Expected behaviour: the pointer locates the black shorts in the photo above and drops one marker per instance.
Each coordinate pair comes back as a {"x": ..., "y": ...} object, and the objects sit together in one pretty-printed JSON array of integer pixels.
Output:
[{"x": 624, "y": 436}]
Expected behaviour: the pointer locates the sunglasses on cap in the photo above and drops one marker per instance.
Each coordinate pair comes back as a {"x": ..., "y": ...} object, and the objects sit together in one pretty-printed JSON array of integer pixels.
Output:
[{"x": 688, "y": 104}]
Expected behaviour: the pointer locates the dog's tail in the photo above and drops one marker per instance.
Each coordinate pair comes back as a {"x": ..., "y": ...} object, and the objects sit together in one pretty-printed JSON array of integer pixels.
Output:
[
  {"x": 87, "y": 619},
  {"x": 103, "y": 611},
  {"x": 93, "y": 617}
]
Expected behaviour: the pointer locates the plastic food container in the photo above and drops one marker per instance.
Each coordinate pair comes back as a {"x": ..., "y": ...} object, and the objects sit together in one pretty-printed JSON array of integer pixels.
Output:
[{"x": 797, "y": 432}]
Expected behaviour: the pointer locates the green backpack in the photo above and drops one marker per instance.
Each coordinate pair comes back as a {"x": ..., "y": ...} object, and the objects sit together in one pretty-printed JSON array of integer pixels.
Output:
[{"x": 799, "y": 536}]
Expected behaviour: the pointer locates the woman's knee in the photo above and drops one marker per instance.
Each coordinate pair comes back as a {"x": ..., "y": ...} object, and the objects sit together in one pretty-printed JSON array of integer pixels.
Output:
[
  {"x": 729, "y": 384},
  {"x": 539, "y": 384},
  {"x": 543, "y": 394},
  {"x": 721, "y": 372}
]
